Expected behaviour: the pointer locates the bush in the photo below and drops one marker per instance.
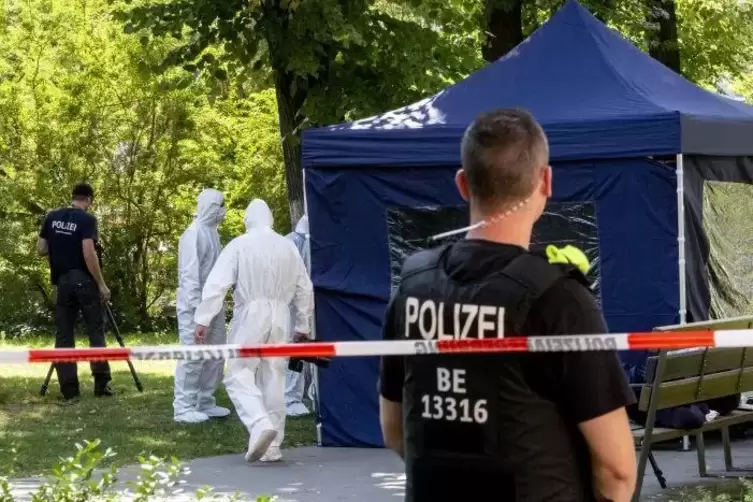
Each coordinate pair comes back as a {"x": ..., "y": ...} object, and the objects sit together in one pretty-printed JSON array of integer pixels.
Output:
[{"x": 83, "y": 478}]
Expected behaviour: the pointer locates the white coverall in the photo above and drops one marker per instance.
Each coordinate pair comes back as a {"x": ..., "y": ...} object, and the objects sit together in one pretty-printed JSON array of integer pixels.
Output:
[
  {"x": 295, "y": 382},
  {"x": 268, "y": 274},
  {"x": 199, "y": 247}
]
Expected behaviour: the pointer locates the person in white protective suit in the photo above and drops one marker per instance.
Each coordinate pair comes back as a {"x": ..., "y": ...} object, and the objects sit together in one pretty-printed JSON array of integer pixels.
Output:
[
  {"x": 268, "y": 274},
  {"x": 197, "y": 381},
  {"x": 295, "y": 382}
]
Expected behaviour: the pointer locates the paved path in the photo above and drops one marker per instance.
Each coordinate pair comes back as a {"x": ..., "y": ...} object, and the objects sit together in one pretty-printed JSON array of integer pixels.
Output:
[
  {"x": 374, "y": 475},
  {"x": 681, "y": 467}
]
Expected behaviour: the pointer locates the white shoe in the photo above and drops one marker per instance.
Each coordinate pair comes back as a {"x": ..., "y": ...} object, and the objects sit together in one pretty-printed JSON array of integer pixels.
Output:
[
  {"x": 191, "y": 417},
  {"x": 258, "y": 447},
  {"x": 216, "y": 412},
  {"x": 297, "y": 409},
  {"x": 273, "y": 455}
]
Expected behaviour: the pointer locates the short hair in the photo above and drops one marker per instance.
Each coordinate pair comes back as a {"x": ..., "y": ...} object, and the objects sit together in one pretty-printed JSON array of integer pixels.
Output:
[
  {"x": 500, "y": 152},
  {"x": 82, "y": 191}
]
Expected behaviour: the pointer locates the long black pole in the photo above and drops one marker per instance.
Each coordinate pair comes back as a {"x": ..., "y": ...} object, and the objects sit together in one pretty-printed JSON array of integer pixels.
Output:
[{"x": 113, "y": 324}]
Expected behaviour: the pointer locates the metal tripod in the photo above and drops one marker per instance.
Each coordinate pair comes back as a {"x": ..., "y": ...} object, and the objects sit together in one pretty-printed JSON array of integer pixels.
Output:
[
  {"x": 657, "y": 472},
  {"x": 111, "y": 321}
]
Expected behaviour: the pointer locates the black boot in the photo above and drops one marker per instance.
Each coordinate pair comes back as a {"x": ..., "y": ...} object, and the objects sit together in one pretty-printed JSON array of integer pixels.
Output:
[
  {"x": 103, "y": 389},
  {"x": 70, "y": 400},
  {"x": 70, "y": 391}
]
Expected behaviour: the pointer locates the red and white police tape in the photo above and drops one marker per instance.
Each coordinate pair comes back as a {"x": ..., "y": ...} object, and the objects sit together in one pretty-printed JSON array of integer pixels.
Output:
[{"x": 574, "y": 343}]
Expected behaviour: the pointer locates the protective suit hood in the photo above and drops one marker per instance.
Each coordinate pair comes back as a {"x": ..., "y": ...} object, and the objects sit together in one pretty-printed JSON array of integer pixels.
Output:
[
  {"x": 303, "y": 226},
  {"x": 258, "y": 215},
  {"x": 209, "y": 208}
]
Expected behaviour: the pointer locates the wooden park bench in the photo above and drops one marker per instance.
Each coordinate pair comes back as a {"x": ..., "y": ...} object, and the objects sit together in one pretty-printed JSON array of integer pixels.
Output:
[{"x": 677, "y": 378}]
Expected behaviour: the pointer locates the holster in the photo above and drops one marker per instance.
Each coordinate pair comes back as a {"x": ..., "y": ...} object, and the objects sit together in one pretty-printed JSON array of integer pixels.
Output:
[{"x": 296, "y": 363}]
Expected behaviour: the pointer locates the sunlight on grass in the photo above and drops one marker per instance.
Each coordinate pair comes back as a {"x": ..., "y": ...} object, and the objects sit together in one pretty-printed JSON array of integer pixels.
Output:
[
  {"x": 46, "y": 340},
  {"x": 42, "y": 429}
]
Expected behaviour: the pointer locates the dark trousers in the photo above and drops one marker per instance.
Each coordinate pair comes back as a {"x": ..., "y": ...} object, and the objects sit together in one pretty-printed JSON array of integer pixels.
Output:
[{"x": 77, "y": 291}]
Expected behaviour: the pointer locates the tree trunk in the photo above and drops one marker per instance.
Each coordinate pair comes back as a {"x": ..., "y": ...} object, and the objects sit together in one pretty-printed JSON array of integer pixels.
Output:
[
  {"x": 662, "y": 42},
  {"x": 504, "y": 28},
  {"x": 289, "y": 102}
]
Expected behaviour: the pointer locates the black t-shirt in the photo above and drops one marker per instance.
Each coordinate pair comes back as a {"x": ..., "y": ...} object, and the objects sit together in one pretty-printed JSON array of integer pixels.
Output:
[
  {"x": 64, "y": 230},
  {"x": 540, "y": 453}
]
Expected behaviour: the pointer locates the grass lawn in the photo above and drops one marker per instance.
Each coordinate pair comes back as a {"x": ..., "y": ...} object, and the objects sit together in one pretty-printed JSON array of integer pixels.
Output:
[
  {"x": 732, "y": 490},
  {"x": 42, "y": 430}
]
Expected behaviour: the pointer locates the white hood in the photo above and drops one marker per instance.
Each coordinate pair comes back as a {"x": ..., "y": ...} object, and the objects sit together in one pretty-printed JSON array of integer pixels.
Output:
[
  {"x": 303, "y": 226},
  {"x": 209, "y": 207},
  {"x": 258, "y": 215}
]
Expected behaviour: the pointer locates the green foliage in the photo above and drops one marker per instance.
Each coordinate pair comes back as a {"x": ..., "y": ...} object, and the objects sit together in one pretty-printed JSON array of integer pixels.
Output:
[
  {"x": 83, "y": 478},
  {"x": 346, "y": 59},
  {"x": 716, "y": 39},
  {"x": 715, "y": 36},
  {"x": 329, "y": 60},
  {"x": 743, "y": 86},
  {"x": 626, "y": 15},
  {"x": 80, "y": 100}
]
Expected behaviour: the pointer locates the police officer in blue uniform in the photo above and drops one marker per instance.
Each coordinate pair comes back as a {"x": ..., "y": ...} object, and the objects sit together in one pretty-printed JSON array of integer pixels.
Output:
[
  {"x": 69, "y": 238},
  {"x": 525, "y": 427}
]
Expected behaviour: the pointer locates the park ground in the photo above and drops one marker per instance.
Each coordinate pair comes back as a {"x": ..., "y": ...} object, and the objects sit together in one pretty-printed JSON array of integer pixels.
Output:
[{"x": 36, "y": 431}]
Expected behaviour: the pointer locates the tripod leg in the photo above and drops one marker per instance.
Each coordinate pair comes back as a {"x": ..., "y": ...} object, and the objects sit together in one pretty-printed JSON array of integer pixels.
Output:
[
  {"x": 659, "y": 474},
  {"x": 135, "y": 377},
  {"x": 47, "y": 379},
  {"x": 116, "y": 331}
]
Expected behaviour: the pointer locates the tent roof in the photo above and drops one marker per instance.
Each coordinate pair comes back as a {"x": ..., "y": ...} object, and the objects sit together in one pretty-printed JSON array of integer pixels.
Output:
[{"x": 597, "y": 95}]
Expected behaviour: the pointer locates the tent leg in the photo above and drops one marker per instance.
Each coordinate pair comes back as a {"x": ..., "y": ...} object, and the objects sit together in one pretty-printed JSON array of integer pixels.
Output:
[{"x": 680, "y": 171}]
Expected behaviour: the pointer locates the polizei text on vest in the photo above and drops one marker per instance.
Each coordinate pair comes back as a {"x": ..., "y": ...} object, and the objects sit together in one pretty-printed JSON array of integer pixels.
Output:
[{"x": 452, "y": 321}]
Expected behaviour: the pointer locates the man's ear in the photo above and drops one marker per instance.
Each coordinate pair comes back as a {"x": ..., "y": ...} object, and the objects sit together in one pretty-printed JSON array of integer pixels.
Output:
[
  {"x": 461, "y": 180},
  {"x": 546, "y": 182}
]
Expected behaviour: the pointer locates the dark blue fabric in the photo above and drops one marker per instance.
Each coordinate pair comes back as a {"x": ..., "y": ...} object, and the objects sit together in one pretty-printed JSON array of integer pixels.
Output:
[
  {"x": 596, "y": 94},
  {"x": 635, "y": 203}
]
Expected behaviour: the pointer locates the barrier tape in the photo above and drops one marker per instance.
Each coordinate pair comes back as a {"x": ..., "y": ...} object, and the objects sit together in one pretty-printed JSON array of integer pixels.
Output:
[{"x": 570, "y": 343}]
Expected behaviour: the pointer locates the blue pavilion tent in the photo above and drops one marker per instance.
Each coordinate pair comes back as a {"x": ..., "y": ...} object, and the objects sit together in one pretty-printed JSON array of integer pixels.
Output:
[{"x": 613, "y": 116}]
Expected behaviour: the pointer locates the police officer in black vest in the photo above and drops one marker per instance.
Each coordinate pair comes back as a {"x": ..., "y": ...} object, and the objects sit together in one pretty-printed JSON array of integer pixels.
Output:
[
  {"x": 69, "y": 238},
  {"x": 510, "y": 427}
]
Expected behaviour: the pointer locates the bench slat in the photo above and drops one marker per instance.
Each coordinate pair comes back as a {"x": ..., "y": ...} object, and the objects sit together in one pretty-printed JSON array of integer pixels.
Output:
[
  {"x": 658, "y": 435},
  {"x": 680, "y": 392},
  {"x": 685, "y": 365},
  {"x": 663, "y": 434}
]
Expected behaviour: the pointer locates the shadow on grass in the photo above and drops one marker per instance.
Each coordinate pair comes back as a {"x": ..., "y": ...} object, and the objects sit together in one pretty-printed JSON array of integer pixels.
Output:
[{"x": 133, "y": 424}]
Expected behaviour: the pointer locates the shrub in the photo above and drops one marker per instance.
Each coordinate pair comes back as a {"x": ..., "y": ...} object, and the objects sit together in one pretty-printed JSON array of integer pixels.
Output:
[{"x": 83, "y": 478}]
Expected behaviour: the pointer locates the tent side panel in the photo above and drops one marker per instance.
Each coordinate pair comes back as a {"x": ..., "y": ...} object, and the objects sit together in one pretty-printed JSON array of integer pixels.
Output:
[{"x": 719, "y": 209}]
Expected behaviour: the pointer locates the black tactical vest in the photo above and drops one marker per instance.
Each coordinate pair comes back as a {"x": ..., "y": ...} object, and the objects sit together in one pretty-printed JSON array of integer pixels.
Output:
[{"x": 461, "y": 411}]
